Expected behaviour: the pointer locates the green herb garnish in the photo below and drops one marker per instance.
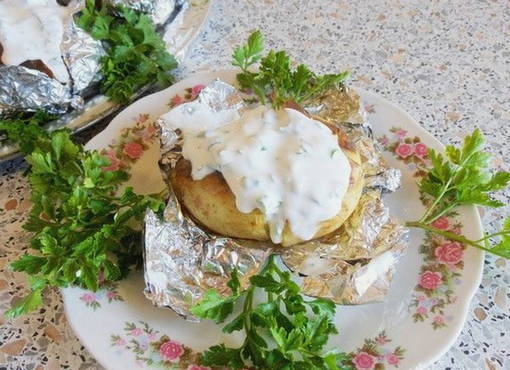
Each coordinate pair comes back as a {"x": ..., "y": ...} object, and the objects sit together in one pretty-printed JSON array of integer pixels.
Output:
[
  {"x": 285, "y": 331},
  {"x": 461, "y": 177},
  {"x": 82, "y": 231},
  {"x": 275, "y": 80},
  {"x": 24, "y": 128},
  {"x": 135, "y": 53}
]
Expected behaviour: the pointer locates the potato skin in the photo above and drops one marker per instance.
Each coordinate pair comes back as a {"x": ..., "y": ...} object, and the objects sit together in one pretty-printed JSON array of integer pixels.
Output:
[{"x": 211, "y": 202}]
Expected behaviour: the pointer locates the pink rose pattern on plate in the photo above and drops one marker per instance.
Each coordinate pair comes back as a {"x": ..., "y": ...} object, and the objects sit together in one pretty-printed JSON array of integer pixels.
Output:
[
  {"x": 190, "y": 94},
  {"x": 442, "y": 223},
  {"x": 433, "y": 292},
  {"x": 160, "y": 351},
  {"x": 442, "y": 258},
  {"x": 375, "y": 354},
  {"x": 149, "y": 347},
  {"x": 133, "y": 150},
  {"x": 171, "y": 351},
  {"x": 410, "y": 150},
  {"x": 106, "y": 294},
  {"x": 133, "y": 142},
  {"x": 430, "y": 280},
  {"x": 155, "y": 350},
  {"x": 439, "y": 275}
]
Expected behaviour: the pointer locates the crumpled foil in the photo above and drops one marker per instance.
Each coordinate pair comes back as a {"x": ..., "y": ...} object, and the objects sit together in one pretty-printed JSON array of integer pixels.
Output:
[
  {"x": 29, "y": 90},
  {"x": 182, "y": 261},
  {"x": 23, "y": 89},
  {"x": 82, "y": 56},
  {"x": 352, "y": 265},
  {"x": 338, "y": 105}
]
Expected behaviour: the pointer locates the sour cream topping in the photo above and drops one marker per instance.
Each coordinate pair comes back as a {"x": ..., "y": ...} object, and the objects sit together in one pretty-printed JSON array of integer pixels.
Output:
[
  {"x": 31, "y": 30},
  {"x": 281, "y": 162}
]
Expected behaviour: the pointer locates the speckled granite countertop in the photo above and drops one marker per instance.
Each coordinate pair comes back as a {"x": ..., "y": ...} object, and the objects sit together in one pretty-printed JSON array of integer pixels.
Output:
[{"x": 447, "y": 63}]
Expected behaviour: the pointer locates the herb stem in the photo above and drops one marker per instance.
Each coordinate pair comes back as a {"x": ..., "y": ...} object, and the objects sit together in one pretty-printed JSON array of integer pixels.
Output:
[
  {"x": 452, "y": 236},
  {"x": 446, "y": 234},
  {"x": 437, "y": 200},
  {"x": 247, "y": 307},
  {"x": 446, "y": 188},
  {"x": 439, "y": 214},
  {"x": 293, "y": 342},
  {"x": 506, "y": 233}
]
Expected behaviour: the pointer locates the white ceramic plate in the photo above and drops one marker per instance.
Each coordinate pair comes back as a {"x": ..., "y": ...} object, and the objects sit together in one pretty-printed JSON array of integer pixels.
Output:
[{"x": 420, "y": 319}]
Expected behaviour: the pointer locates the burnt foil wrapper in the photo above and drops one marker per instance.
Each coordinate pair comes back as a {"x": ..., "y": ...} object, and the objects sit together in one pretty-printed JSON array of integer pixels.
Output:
[
  {"x": 352, "y": 265},
  {"x": 29, "y": 90}
]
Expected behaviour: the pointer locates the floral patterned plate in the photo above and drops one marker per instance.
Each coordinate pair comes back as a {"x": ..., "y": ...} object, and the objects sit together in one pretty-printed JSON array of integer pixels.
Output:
[{"x": 420, "y": 319}]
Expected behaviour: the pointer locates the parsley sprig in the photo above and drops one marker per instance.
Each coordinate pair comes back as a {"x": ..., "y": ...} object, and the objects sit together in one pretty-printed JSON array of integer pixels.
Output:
[
  {"x": 283, "y": 332},
  {"x": 461, "y": 177},
  {"x": 82, "y": 231},
  {"x": 135, "y": 53},
  {"x": 24, "y": 128},
  {"x": 275, "y": 80}
]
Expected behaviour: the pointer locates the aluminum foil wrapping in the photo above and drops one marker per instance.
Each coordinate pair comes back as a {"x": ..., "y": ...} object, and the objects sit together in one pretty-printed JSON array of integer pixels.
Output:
[
  {"x": 30, "y": 90},
  {"x": 81, "y": 55},
  {"x": 354, "y": 264},
  {"x": 351, "y": 265},
  {"x": 182, "y": 261},
  {"x": 23, "y": 89}
]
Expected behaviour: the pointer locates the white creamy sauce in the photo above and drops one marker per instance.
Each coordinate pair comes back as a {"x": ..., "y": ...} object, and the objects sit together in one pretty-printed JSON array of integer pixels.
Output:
[
  {"x": 285, "y": 164},
  {"x": 31, "y": 30}
]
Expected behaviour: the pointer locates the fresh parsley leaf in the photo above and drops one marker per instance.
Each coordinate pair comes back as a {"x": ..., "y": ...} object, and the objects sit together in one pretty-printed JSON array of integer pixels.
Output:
[
  {"x": 284, "y": 332},
  {"x": 215, "y": 307},
  {"x": 322, "y": 306},
  {"x": 83, "y": 231},
  {"x": 24, "y": 128},
  {"x": 135, "y": 53},
  {"x": 31, "y": 301},
  {"x": 220, "y": 355},
  {"x": 276, "y": 80},
  {"x": 249, "y": 54},
  {"x": 502, "y": 248},
  {"x": 234, "y": 283},
  {"x": 236, "y": 324},
  {"x": 462, "y": 177},
  {"x": 27, "y": 304}
]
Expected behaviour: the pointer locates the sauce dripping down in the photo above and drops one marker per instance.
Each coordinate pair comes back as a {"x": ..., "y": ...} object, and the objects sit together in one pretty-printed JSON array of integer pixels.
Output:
[{"x": 281, "y": 162}]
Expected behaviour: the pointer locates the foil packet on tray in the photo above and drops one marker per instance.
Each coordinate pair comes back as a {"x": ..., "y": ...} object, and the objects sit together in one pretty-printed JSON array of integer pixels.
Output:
[
  {"x": 352, "y": 265},
  {"x": 59, "y": 72}
]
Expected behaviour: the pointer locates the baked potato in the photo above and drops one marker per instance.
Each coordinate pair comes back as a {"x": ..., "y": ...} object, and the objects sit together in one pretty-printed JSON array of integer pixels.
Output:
[{"x": 211, "y": 203}]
